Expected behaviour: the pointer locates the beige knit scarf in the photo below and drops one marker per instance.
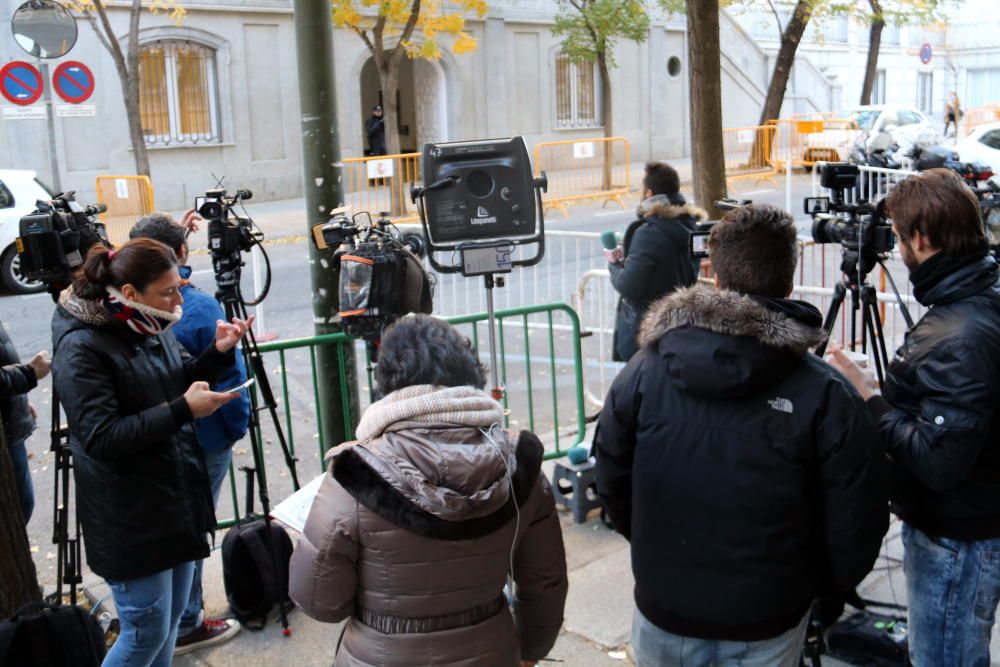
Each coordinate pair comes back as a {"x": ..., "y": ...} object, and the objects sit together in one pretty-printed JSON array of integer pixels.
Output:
[{"x": 464, "y": 406}]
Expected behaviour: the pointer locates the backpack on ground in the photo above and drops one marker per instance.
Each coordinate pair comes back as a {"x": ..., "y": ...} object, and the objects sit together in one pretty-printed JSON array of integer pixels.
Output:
[
  {"x": 254, "y": 582},
  {"x": 47, "y": 635}
]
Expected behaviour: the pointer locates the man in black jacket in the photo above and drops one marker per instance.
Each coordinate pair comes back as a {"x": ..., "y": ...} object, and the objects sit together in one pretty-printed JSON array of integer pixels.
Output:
[
  {"x": 940, "y": 422},
  {"x": 16, "y": 380},
  {"x": 375, "y": 129},
  {"x": 653, "y": 259},
  {"x": 744, "y": 470}
]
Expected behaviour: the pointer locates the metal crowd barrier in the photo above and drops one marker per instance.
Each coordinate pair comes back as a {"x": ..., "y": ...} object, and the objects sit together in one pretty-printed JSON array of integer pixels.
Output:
[
  {"x": 541, "y": 366},
  {"x": 977, "y": 116},
  {"x": 803, "y": 143},
  {"x": 747, "y": 153},
  {"x": 583, "y": 170},
  {"x": 128, "y": 198},
  {"x": 381, "y": 183}
]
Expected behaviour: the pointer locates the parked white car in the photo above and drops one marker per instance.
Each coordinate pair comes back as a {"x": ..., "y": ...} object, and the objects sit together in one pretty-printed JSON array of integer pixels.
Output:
[
  {"x": 19, "y": 190},
  {"x": 903, "y": 124},
  {"x": 982, "y": 145}
]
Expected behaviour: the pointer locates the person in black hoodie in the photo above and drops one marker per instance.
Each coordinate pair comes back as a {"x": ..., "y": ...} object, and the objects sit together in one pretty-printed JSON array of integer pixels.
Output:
[
  {"x": 653, "y": 259},
  {"x": 744, "y": 470},
  {"x": 17, "y": 415},
  {"x": 940, "y": 421},
  {"x": 131, "y": 394}
]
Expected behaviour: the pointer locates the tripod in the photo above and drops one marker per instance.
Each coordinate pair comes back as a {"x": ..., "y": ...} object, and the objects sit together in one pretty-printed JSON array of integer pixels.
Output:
[
  {"x": 228, "y": 295},
  {"x": 856, "y": 265},
  {"x": 68, "y": 554}
]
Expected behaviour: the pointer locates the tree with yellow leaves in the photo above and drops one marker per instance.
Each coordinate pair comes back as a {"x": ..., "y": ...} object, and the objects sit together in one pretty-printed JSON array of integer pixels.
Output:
[
  {"x": 127, "y": 62},
  {"x": 390, "y": 30}
]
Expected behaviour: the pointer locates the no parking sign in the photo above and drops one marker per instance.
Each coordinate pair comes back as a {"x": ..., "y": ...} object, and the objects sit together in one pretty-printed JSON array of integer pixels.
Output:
[
  {"x": 73, "y": 81},
  {"x": 20, "y": 83}
]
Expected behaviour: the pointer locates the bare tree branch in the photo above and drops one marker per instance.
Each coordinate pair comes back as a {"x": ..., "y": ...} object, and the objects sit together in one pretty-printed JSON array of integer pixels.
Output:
[
  {"x": 115, "y": 47},
  {"x": 777, "y": 18},
  {"x": 411, "y": 24},
  {"x": 363, "y": 34}
]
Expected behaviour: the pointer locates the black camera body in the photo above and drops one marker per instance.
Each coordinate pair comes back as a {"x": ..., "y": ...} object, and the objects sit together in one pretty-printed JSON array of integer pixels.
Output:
[
  {"x": 381, "y": 276},
  {"x": 860, "y": 226},
  {"x": 54, "y": 239},
  {"x": 229, "y": 235}
]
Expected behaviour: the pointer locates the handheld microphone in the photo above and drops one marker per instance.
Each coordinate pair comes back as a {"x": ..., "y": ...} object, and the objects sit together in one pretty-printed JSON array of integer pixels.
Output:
[{"x": 608, "y": 240}]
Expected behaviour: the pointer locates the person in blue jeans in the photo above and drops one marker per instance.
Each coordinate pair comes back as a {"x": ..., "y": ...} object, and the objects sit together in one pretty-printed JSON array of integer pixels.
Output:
[
  {"x": 216, "y": 433},
  {"x": 939, "y": 418},
  {"x": 18, "y": 416}
]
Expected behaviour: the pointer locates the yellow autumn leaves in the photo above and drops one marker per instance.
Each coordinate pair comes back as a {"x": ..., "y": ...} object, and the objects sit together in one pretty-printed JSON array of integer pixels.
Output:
[{"x": 435, "y": 18}]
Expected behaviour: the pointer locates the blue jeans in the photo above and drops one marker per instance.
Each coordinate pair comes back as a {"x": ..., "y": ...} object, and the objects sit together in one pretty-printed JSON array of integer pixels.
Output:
[
  {"x": 654, "y": 647},
  {"x": 148, "y": 610},
  {"x": 953, "y": 589},
  {"x": 217, "y": 465},
  {"x": 22, "y": 475}
]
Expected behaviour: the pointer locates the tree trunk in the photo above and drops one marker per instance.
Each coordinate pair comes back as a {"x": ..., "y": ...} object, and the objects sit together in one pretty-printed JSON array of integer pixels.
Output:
[
  {"x": 606, "y": 120},
  {"x": 389, "y": 81},
  {"x": 705, "y": 76},
  {"x": 763, "y": 142},
  {"x": 18, "y": 582},
  {"x": 130, "y": 90},
  {"x": 874, "y": 44}
]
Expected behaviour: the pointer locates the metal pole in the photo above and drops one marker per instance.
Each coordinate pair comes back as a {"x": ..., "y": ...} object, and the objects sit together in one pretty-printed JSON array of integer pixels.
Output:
[
  {"x": 50, "y": 121},
  {"x": 788, "y": 172},
  {"x": 491, "y": 323},
  {"x": 323, "y": 193}
]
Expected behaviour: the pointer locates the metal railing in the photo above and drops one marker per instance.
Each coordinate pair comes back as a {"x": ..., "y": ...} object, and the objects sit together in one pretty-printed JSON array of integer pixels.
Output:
[
  {"x": 747, "y": 153},
  {"x": 543, "y": 381},
  {"x": 381, "y": 183},
  {"x": 128, "y": 198},
  {"x": 584, "y": 169}
]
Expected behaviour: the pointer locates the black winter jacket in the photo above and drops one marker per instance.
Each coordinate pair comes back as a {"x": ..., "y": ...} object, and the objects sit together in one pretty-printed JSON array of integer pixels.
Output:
[
  {"x": 744, "y": 470},
  {"x": 16, "y": 380},
  {"x": 656, "y": 263},
  {"x": 142, "y": 491},
  {"x": 939, "y": 417}
]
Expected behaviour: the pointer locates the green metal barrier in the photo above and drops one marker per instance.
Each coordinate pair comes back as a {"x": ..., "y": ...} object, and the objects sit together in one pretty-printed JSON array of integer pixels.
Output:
[{"x": 520, "y": 401}]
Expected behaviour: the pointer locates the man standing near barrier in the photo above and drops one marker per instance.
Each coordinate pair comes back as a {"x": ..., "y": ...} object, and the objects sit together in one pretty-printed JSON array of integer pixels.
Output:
[
  {"x": 653, "y": 259},
  {"x": 218, "y": 432},
  {"x": 940, "y": 422},
  {"x": 375, "y": 129},
  {"x": 744, "y": 470}
]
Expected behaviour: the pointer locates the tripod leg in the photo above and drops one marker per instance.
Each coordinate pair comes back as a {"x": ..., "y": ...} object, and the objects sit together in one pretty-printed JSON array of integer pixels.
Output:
[{"x": 839, "y": 292}]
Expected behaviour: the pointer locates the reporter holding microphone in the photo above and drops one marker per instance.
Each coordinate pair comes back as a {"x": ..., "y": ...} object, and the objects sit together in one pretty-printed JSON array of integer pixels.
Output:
[{"x": 131, "y": 394}]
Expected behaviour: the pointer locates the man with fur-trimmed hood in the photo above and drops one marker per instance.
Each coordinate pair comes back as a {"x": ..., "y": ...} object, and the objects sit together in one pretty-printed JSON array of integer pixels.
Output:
[
  {"x": 653, "y": 259},
  {"x": 744, "y": 470}
]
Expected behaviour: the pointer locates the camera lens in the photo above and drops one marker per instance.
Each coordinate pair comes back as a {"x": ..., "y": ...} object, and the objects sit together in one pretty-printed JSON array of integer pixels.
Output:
[
  {"x": 210, "y": 210},
  {"x": 479, "y": 183}
]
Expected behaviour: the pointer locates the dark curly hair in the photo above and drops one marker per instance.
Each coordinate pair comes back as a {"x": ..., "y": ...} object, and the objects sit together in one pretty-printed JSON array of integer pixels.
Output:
[
  {"x": 160, "y": 227},
  {"x": 754, "y": 250},
  {"x": 421, "y": 349}
]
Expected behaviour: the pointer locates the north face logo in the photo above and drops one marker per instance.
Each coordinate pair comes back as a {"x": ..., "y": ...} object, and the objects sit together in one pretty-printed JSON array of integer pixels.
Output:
[{"x": 781, "y": 405}]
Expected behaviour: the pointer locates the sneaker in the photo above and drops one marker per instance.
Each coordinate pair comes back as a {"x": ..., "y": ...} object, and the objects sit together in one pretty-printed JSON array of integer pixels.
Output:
[{"x": 213, "y": 631}]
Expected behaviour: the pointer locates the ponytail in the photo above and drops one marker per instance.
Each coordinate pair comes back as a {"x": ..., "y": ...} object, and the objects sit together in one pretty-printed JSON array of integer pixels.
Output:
[{"x": 139, "y": 262}]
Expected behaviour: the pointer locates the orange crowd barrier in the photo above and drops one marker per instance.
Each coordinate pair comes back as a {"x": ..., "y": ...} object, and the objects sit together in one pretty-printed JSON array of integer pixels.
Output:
[
  {"x": 584, "y": 170},
  {"x": 128, "y": 198}
]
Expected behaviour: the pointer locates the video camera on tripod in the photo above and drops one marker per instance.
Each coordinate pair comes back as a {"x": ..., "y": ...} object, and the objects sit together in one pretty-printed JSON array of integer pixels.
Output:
[
  {"x": 55, "y": 238},
  {"x": 229, "y": 236},
  {"x": 381, "y": 276},
  {"x": 860, "y": 227}
]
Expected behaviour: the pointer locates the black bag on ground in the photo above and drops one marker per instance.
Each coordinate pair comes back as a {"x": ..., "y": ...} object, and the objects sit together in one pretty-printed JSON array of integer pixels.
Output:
[
  {"x": 868, "y": 638},
  {"x": 47, "y": 635},
  {"x": 253, "y": 584}
]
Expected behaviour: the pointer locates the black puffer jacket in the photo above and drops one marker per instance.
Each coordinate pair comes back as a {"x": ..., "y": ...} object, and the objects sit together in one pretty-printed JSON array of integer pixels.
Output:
[
  {"x": 944, "y": 431},
  {"x": 16, "y": 380},
  {"x": 743, "y": 469},
  {"x": 656, "y": 263},
  {"x": 142, "y": 491}
]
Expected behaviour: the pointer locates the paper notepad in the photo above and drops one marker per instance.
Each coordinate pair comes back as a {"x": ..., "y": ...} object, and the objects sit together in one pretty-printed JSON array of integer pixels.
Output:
[{"x": 294, "y": 510}]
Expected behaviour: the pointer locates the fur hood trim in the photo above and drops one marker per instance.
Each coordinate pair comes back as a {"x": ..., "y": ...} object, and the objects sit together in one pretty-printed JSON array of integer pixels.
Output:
[
  {"x": 373, "y": 491},
  {"x": 728, "y": 313},
  {"x": 661, "y": 207}
]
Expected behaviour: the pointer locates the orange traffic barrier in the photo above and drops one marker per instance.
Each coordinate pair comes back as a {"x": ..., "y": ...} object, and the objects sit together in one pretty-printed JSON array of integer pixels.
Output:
[
  {"x": 128, "y": 198},
  {"x": 803, "y": 143},
  {"x": 381, "y": 184},
  {"x": 977, "y": 116},
  {"x": 583, "y": 170},
  {"x": 747, "y": 153}
]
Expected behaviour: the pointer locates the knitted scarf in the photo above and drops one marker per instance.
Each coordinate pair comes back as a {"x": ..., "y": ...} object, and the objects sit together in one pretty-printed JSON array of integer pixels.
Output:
[
  {"x": 464, "y": 406},
  {"x": 116, "y": 308}
]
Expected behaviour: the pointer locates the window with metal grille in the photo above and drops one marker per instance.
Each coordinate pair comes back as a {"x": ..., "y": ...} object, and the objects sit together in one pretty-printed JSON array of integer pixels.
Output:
[
  {"x": 178, "y": 93},
  {"x": 878, "y": 90},
  {"x": 577, "y": 94},
  {"x": 925, "y": 91}
]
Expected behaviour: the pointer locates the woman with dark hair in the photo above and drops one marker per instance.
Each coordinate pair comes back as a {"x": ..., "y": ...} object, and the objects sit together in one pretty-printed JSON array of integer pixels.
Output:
[
  {"x": 416, "y": 527},
  {"x": 131, "y": 394}
]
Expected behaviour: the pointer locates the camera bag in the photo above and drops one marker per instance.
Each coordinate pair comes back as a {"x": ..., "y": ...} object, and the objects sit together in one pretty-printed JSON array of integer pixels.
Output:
[
  {"x": 40, "y": 634},
  {"x": 869, "y": 638}
]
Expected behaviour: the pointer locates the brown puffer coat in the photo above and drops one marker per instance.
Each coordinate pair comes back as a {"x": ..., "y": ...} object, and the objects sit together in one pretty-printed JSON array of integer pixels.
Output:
[{"x": 412, "y": 535}]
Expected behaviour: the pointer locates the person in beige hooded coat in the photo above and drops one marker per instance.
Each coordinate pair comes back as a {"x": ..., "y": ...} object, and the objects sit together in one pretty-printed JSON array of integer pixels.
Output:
[{"x": 418, "y": 524}]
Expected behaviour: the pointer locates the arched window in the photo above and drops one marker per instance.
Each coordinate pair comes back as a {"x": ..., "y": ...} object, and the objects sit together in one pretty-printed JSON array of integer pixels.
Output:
[
  {"x": 577, "y": 94},
  {"x": 178, "y": 93}
]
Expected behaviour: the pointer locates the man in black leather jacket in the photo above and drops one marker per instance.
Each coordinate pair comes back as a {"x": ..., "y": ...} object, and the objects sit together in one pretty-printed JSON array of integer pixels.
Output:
[{"x": 939, "y": 420}]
